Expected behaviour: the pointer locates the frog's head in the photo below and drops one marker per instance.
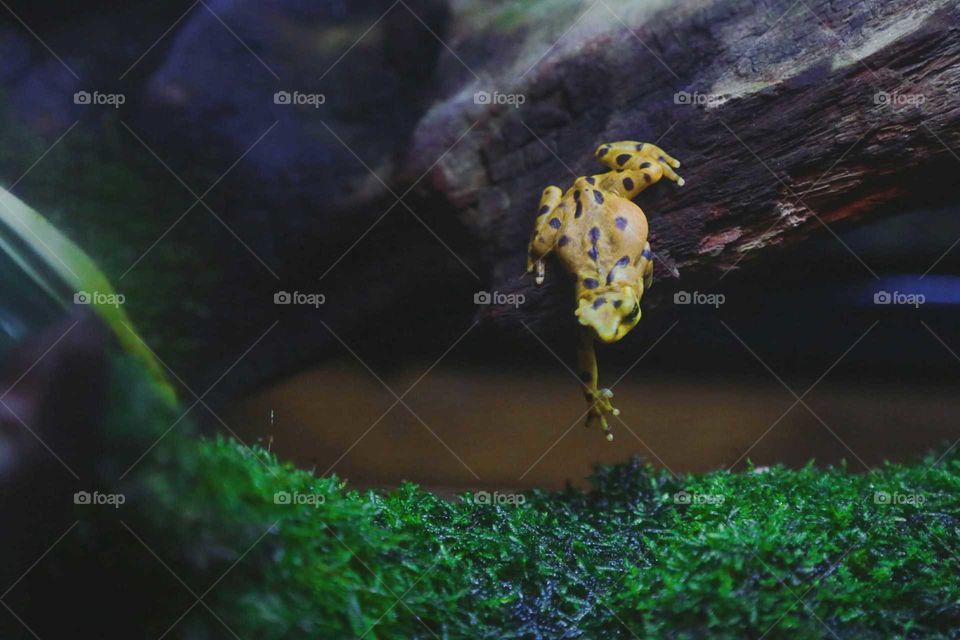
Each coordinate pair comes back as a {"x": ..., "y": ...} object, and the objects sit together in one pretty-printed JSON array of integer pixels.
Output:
[{"x": 611, "y": 313}]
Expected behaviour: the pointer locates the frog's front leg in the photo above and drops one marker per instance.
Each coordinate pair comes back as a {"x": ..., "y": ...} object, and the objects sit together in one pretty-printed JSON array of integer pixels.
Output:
[
  {"x": 638, "y": 162},
  {"x": 545, "y": 231},
  {"x": 598, "y": 399}
]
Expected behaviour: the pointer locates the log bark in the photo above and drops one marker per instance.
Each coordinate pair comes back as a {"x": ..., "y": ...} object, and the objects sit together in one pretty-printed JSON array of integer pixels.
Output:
[{"x": 790, "y": 118}]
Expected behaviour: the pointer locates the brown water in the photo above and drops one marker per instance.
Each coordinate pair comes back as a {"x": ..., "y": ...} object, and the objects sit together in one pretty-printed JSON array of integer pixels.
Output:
[{"x": 470, "y": 430}]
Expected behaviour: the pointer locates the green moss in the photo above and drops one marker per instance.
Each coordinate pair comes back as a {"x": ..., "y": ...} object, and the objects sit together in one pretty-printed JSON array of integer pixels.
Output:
[{"x": 787, "y": 550}]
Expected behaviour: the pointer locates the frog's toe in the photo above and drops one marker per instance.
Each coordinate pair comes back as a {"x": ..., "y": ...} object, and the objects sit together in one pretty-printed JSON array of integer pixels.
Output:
[
  {"x": 541, "y": 272},
  {"x": 670, "y": 174},
  {"x": 598, "y": 411},
  {"x": 597, "y": 417}
]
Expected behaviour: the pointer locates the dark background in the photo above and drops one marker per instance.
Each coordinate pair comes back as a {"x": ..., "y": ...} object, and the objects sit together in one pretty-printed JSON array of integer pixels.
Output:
[{"x": 290, "y": 207}]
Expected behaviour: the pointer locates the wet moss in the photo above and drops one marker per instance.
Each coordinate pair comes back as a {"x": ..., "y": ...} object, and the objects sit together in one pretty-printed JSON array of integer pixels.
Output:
[{"x": 781, "y": 552}]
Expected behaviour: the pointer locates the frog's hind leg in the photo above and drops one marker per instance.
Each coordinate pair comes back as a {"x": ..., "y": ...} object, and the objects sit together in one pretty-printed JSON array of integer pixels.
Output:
[
  {"x": 545, "y": 232},
  {"x": 597, "y": 399}
]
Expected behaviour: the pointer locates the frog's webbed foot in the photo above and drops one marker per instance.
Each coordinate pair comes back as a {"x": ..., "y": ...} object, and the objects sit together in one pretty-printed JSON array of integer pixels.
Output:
[{"x": 600, "y": 406}]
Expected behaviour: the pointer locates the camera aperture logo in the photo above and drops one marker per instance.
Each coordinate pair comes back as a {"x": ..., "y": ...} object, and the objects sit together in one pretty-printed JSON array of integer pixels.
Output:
[
  {"x": 99, "y": 99},
  {"x": 894, "y": 99},
  {"x": 95, "y": 498},
  {"x": 698, "y": 298},
  {"x": 500, "y": 499},
  {"x": 486, "y": 297},
  {"x": 297, "y": 98},
  {"x": 99, "y": 298},
  {"x": 296, "y": 498},
  {"x": 885, "y": 497},
  {"x": 685, "y": 497},
  {"x": 297, "y": 297},
  {"x": 899, "y": 298},
  {"x": 510, "y": 99},
  {"x": 708, "y": 100}
]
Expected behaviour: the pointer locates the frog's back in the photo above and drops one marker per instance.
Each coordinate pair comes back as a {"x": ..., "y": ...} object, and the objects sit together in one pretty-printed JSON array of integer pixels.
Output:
[{"x": 610, "y": 231}]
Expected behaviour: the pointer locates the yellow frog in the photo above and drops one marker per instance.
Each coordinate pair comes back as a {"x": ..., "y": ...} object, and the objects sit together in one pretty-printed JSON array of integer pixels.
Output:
[{"x": 600, "y": 237}]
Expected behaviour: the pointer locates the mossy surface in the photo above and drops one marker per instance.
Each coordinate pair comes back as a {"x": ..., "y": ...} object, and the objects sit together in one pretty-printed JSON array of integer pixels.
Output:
[{"x": 781, "y": 552}]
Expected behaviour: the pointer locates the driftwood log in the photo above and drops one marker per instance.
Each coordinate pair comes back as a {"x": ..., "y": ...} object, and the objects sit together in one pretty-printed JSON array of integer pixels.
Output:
[{"x": 789, "y": 117}]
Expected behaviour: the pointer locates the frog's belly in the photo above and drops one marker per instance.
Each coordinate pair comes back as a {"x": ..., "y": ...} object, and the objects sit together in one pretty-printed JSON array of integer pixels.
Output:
[{"x": 605, "y": 234}]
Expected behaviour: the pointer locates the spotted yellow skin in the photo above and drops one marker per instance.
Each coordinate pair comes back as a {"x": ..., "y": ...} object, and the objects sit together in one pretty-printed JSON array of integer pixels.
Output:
[{"x": 600, "y": 238}]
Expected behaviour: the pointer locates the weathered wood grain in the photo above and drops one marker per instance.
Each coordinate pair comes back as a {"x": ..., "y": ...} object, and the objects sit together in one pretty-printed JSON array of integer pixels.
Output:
[{"x": 790, "y": 118}]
